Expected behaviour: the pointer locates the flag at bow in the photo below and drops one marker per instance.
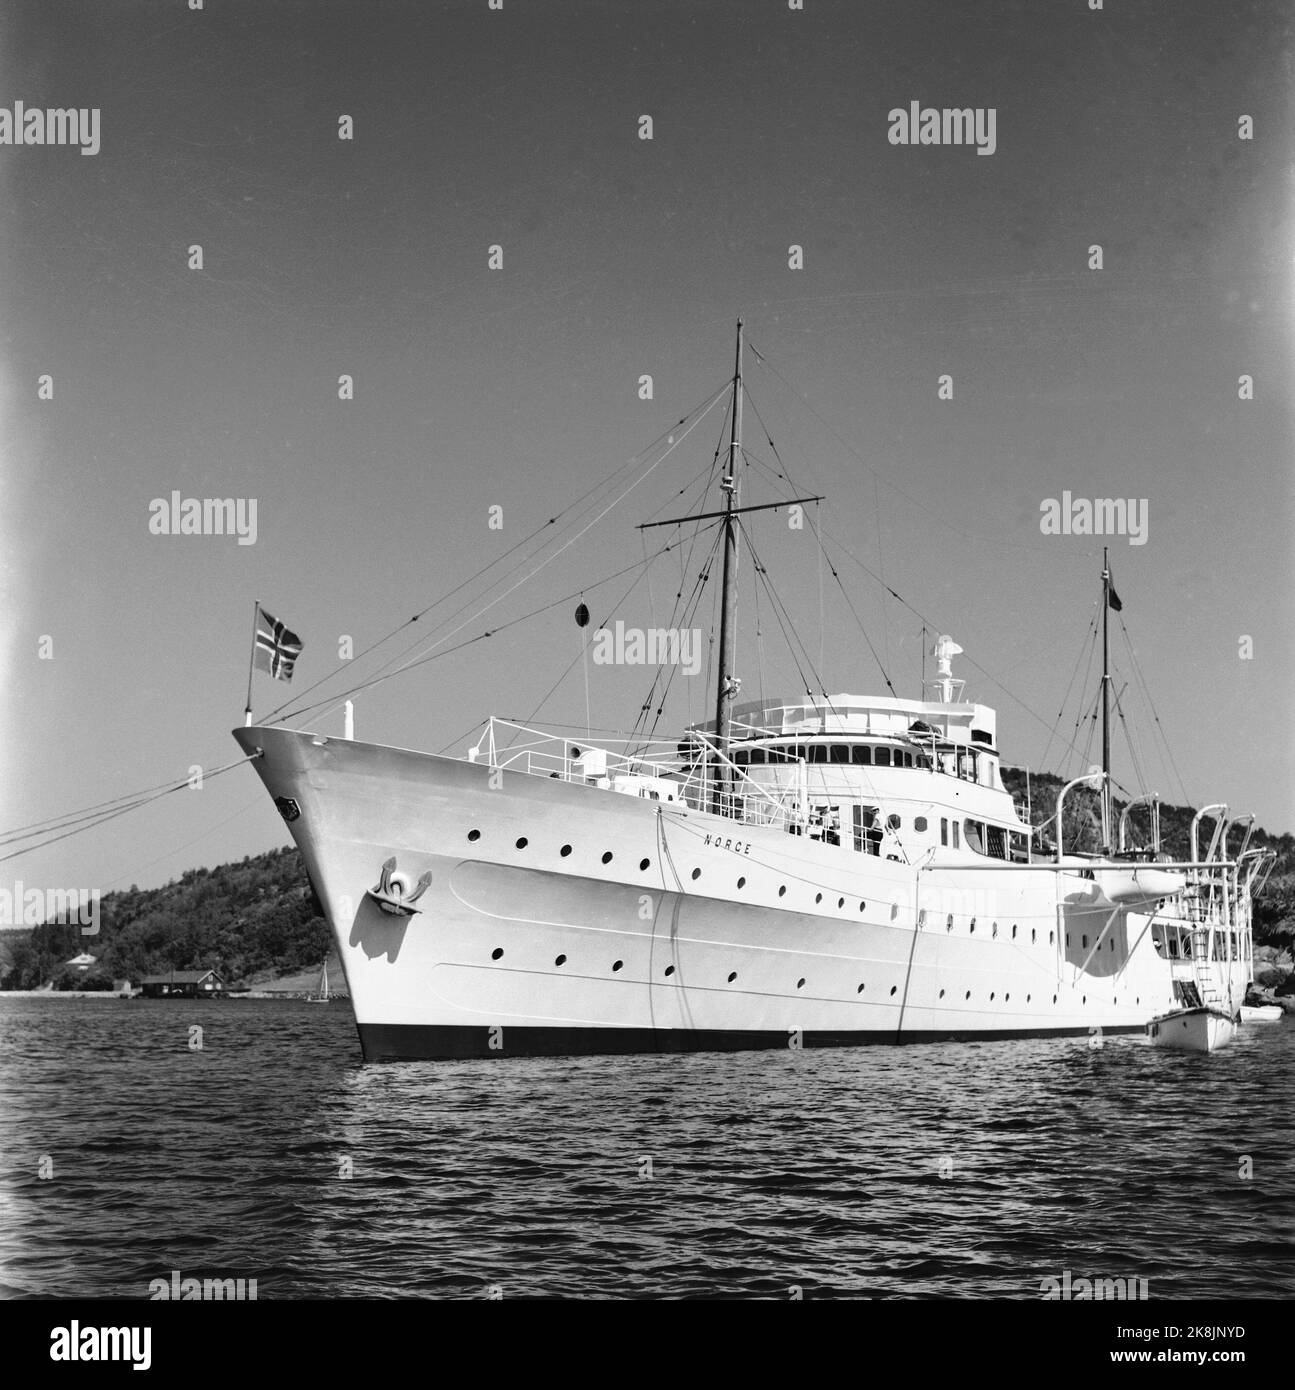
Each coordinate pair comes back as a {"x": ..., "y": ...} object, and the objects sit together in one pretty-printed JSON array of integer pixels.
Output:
[{"x": 276, "y": 649}]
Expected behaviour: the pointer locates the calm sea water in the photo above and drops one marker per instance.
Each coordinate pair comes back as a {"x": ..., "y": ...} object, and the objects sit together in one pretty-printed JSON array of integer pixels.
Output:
[{"x": 970, "y": 1170}]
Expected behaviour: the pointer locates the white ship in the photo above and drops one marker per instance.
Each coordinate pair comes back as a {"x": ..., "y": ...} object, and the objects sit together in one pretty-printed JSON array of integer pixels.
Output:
[{"x": 818, "y": 872}]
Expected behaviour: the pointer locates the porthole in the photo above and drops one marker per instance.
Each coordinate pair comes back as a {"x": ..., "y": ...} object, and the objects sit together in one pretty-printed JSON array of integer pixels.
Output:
[
  {"x": 968, "y": 994},
  {"x": 644, "y": 865},
  {"x": 474, "y": 835},
  {"x": 1028, "y": 998},
  {"x": 840, "y": 902},
  {"x": 950, "y": 926},
  {"x": 1006, "y": 998},
  {"x": 1085, "y": 999},
  {"x": 941, "y": 994},
  {"x": 973, "y": 926},
  {"x": 696, "y": 873},
  {"x": 1013, "y": 931},
  {"x": 1034, "y": 935},
  {"x": 919, "y": 823},
  {"x": 782, "y": 891},
  {"x": 497, "y": 953},
  {"x": 1052, "y": 938},
  {"x": 1054, "y": 998},
  {"x": 564, "y": 851},
  {"x": 862, "y": 906},
  {"x": 859, "y": 990},
  {"x": 732, "y": 975},
  {"x": 522, "y": 842},
  {"x": 617, "y": 964},
  {"x": 994, "y": 931},
  {"x": 607, "y": 858},
  {"x": 818, "y": 897},
  {"x": 893, "y": 988},
  {"x": 669, "y": 970},
  {"x": 991, "y": 996},
  {"x": 560, "y": 960},
  {"x": 893, "y": 822},
  {"x": 800, "y": 984},
  {"x": 741, "y": 883}
]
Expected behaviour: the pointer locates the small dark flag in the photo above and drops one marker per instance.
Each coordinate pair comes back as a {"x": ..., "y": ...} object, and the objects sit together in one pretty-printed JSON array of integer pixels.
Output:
[
  {"x": 1116, "y": 605},
  {"x": 276, "y": 649}
]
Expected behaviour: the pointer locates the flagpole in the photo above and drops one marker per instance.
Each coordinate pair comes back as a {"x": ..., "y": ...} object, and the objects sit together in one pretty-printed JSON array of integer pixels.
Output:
[{"x": 251, "y": 664}]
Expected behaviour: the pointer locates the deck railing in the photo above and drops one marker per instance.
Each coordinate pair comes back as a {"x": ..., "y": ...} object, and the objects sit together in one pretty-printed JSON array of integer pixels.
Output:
[{"x": 702, "y": 777}]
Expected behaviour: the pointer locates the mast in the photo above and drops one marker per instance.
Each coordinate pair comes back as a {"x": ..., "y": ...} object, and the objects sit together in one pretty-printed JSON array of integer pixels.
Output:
[
  {"x": 1106, "y": 704},
  {"x": 728, "y": 610}
]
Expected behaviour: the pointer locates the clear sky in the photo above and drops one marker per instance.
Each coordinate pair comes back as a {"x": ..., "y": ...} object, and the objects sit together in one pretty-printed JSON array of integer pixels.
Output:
[{"x": 125, "y": 653}]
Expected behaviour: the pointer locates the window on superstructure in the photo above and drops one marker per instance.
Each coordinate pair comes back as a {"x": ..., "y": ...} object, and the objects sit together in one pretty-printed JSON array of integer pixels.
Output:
[
  {"x": 997, "y": 838},
  {"x": 757, "y": 756},
  {"x": 861, "y": 755},
  {"x": 944, "y": 830},
  {"x": 974, "y": 833},
  {"x": 956, "y": 843},
  {"x": 740, "y": 756},
  {"x": 881, "y": 757},
  {"x": 817, "y": 753},
  {"x": 840, "y": 752}
]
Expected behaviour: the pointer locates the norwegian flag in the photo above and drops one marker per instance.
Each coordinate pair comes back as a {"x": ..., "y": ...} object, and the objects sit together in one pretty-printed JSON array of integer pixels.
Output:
[{"x": 276, "y": 648}]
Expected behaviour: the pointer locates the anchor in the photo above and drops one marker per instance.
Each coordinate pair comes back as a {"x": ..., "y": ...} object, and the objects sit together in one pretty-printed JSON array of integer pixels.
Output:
[{"x": 392, "y": 893}]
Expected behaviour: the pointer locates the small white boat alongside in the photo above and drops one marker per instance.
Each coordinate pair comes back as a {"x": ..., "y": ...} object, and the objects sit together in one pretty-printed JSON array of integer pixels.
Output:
[
  {"x": 1261, "y": 1013},
  {"x": 1203, "y": 1029}
]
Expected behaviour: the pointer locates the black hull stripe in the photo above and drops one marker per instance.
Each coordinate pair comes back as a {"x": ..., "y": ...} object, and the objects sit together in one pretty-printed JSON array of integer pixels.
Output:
[{"x": 402, "y": 1042}]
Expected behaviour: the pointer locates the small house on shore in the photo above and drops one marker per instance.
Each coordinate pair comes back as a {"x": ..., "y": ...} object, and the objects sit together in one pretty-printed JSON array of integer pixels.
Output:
[{"x": 183, "y": 984}]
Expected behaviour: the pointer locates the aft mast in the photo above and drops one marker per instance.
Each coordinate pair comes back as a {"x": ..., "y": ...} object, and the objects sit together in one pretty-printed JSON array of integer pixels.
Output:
[{"x": 1107, "y": 807}]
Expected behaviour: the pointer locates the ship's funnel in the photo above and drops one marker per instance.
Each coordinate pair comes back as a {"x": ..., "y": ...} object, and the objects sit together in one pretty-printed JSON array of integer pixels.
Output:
[{"x": 944, "y": 651}]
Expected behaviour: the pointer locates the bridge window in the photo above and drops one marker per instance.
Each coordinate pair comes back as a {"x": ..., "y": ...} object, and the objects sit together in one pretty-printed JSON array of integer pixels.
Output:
[
  {"x": 817, "y": 753},
  {"x": 840, "y": 752},
  {"x": 861, "y": 755},
  {"x": 881, "y": 757}
]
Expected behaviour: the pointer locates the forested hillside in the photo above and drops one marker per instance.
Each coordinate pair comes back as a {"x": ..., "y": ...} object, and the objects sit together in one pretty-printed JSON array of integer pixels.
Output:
[
  {"x": 1274, "y": 917},
  {"x": 238, "y": 919}
]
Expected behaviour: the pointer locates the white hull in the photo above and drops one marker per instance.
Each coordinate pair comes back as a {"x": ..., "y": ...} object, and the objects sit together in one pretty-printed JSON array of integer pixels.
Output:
[
  {"x": 1192, "y": 1030},
  {"x": 667, "y": 928},
  {"x": 1261, "y": 1013}
]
